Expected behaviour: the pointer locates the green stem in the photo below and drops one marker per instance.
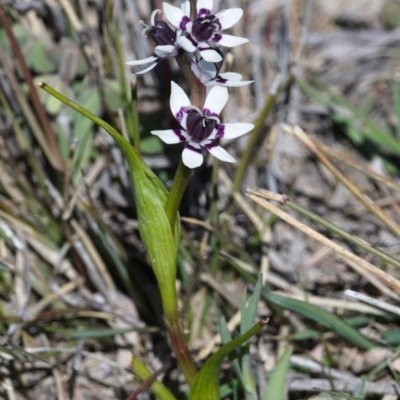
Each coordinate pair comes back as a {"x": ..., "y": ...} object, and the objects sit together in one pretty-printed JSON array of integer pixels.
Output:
[
  {"x": 181, "y": 180},
  {"x": 179, "y": 346}
]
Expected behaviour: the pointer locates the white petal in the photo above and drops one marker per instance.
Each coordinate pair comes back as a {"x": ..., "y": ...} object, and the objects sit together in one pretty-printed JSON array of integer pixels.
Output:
[
  {"x": 148, "y": 67},
  {"x": 228, "y": 18},
  {"x": 208, "y": 68},
  {"x": 216, "y": 100},
  {"x": 176, "y": 16},
  {"x": 185, "y": 7},
  {"x": 218, "y": 151},
  {"x": 228, "y": 40},
  {"x": 231, "y": 76},
  {"x": 230, "y": 131},
  {"x": 179, "y": 102},
  {"x": 208, "y": 53},
  {"x": 192, "y": 156},
  {"x": 223, "y": 80},
  {"x": 164, "y": 51},
  {"x": 204, "y": 7},
  {"x": 171, "y": 136},
  {"x": 186, "y": 43},
  {"x": 140, "y": 62}
]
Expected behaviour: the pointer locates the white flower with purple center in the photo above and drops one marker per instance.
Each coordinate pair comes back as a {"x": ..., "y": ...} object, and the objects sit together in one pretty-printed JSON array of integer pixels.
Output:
[
  {"x": 204, "y": 32},
  {"x": 208, "y": 73},
  {"x": 165, "y": 38},
  {"x": 201, "y": 128}
]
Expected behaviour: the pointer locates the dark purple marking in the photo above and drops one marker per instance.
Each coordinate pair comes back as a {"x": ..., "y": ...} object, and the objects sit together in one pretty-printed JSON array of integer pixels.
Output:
[
  {"x": 203, "y": 28},
  {"x": 210, "y": 146},
  {"x": 219, "y": 79},
  {"x": 203, "y": 12},
  {"x": 195, "y": 149},
  {"x": 179, "y": 114},
  {"x": 178, "y": 133},
  {"x": 162, "y": 34},
  {"x": 191, "y": 40},
  {"x": 198, "y": 126},
  {"x": 216, "y": 38},
  {"x": 220, "y": 131},
  {"x": 185, "y": 20},
  {"x": 209, "y": 113}
]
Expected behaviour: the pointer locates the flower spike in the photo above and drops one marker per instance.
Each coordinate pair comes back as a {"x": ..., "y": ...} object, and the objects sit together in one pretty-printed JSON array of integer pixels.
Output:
[
  {"x": 204, "y": 33},
  {"x": 201, "y": 128}
]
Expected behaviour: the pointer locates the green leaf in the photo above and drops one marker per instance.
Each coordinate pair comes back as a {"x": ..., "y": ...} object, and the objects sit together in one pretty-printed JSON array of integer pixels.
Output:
[
  {"x": 320, "y": 316},
  {"x": 150, "y": 198},
  {"x": 276, "y": 389},
  {"x": 36, "y": 57},
  {"x": 206, "y": 384},
  {"x": 90, "y": 99},
  {"x": 248, "y": 313},
  {"x": 113, "y": 96},
  {"x": 151, "y": 145}
]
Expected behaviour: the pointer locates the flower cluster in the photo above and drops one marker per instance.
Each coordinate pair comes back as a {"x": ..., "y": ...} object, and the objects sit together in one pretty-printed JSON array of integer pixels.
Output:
[{"x": 199, "y": 38}]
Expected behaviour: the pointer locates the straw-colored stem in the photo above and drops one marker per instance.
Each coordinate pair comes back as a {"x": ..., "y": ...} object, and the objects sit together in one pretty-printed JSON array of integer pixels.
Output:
[{"x": 343, "y": 179}]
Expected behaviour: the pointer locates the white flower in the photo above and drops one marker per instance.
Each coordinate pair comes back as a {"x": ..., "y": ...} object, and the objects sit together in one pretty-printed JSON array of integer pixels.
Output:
[
  {"x": 201, "y": 127},
  {"x": 208, "y": 74},
  {"x": 165, "y": 38},
  {"x": 204, "y": 32}
]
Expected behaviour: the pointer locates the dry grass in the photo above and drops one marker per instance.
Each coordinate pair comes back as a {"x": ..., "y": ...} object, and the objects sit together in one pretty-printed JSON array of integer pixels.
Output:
[{"x": 77, "y": 297}]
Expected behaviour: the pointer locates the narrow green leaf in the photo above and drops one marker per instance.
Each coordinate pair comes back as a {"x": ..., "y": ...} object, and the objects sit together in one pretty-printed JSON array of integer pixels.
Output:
[
  {"x": 323, "y": 317},
  {"x": 226, "y": 337},
  {"x": 276, "y": 389},
  {"x": 206, "y": 384},
  {"x": 150, "y": 198},
  {"x": 249, "y": 313},
  {"x": 160, "y": 391}
]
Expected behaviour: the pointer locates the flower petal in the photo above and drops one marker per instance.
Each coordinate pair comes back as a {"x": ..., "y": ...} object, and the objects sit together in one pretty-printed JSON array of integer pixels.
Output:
[
  {"x": 171, "y": 136},
  {"x": 228, "y": 79},
  {"x": 179, "y": 103},
  {"x": 204, "y": 7},
  {"x": 164, "y": 51},
  {"x": 231, "y": 76},
  {"x": 148, "y": 67},
  {"x": 185, "y": 7},
  {"x": 187, "y": 43},
  {"x": 228, "y": 40},
  {"x": 192, "y": 156},
  {"x": 144, "y": 61},
  {"x": 208, "y": 53},
  {"x": 176, "y": 16},
  {"x": 203, "y": 70},
  {"x": 228, "y": 18},
  {"x": 218, "y": 151},
  {"x": 216, "y": 100},
  {"x": 230, "y": 131}
]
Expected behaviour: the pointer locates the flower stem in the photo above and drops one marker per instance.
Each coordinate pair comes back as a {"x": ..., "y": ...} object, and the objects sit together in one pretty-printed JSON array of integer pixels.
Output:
[
  {"x": 180, "y": 348},
  {"x": 181, "y": 180}
]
